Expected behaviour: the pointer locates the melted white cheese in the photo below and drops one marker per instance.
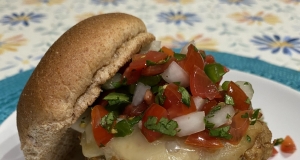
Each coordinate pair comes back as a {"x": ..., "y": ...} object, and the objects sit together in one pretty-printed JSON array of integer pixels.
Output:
[{"x": 136, "y": 147}]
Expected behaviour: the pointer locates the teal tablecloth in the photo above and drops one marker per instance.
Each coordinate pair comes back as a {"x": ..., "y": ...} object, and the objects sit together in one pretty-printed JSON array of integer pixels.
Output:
[{"x": 10, "y": 88}]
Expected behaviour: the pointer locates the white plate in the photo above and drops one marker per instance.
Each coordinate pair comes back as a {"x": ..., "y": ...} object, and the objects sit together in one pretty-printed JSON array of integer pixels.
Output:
[{"x": 280, "y": 105}]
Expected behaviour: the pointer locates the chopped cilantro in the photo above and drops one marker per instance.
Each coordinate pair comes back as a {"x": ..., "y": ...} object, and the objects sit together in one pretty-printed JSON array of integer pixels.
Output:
[
  {"x": 150, "y": 80},
  {"x": 229, "y": 100},
  {"x": 115, "y": 82},
  {"x": 208, "y": 124},
  {"x": 185, "y": 96},
  {"x": 202, "y": 53},
  {"x": 108, "y": 120},
  {"x": 151, "y": 63},
  {"x": 277, "y": 141},
  {"x": 248, "y": 138},
  {"x": 134, "y": 120},
  {"x": 246, "y": 83},
  {"x": 179, "y": 56},
  {"x": 177, "y": 83},
  {"x": 154, "y": 89},
  {"x": 131, "y": 88},
  {"x": 214, "y": 71},
  {"x": 160, "y": 98},
  {"x": 122, "y": 128},
  {"x": 254, "y": 117},
  {"x": 211, "y": 114},
  {"x": 225, "y": 85},
  {"x": 228, "y": 116},
  {"x": 215, "y": 109},
  {"x": 117, "y": 98},
  {"x": 246, "y": 115},
  {"x": 164, "y": 125},
  {"x": 101, "y": 145},
  {"x": 221, "y": 132},
  {"x": 248, "y": 101},
  {"x": 195, "y": 48}
]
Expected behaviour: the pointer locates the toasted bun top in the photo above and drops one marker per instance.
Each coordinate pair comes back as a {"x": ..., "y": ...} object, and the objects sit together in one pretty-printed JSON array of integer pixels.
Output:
[{"x": 67, "y": 80}]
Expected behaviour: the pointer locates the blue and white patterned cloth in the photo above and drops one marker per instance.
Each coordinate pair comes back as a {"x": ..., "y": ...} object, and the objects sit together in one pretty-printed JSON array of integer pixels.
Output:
[
  {"x": 268, "y": 30},
  {"x": 249, "y": 30}
]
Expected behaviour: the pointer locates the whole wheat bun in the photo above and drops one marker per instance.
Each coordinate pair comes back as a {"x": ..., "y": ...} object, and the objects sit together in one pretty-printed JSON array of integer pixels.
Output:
[{"x": 67, "y": 80}]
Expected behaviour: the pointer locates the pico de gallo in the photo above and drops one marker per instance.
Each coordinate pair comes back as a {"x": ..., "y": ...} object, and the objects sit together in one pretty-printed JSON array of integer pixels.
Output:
[
  {"x": 174, "y": 94},
  {"x": 287, "y": 145}
]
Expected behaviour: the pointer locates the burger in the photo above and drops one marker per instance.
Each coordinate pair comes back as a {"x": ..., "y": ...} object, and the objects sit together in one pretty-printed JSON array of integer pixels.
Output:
[{"x": 107, "y": 90}]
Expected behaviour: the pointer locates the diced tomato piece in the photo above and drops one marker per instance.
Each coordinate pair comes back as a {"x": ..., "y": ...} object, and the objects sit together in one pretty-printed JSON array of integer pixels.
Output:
[
  {"x": 155, "y": 56},
  {"x": 188, "y": 109},
  {"x": 209, "y": 59},
  {"x": 137, "y": 57},
  {"x": 193, "y": 58},
  {"x": 173, "y": 97},
  {"x": 239, "y": 97},
  {"x": 201, "y": 85},
  {"x": 156, "y": 69},
  {"x": 138, "y": 64},
  {"x": 288, "y": 145},
  {"x": 131, "y": 110},
  {"x": 154, "y": 110},
  {"x": 101, "y": 135},
  {"x": 132, "y": 75},
  {"x": 274, "y": 152},
  {"x": 226, "y": 69},
  {"x": 181, "y": 109},
  {"x": 103, "y": 103},
  {"x": 134, "y": 70},
  {"x": 239, "y": 126},
  {"x": 203, "y": 139},
  {"x": 173, "y": 102},
  {"x": 208, "y": 106},
  {"x": 168, "y": 51},
  {"x": 139, "y": 61},
  {"x": 221, "y": 96}
]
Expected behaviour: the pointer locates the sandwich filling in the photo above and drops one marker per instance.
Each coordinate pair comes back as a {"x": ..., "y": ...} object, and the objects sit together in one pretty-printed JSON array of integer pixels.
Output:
[{"x": 175, "y": 103}]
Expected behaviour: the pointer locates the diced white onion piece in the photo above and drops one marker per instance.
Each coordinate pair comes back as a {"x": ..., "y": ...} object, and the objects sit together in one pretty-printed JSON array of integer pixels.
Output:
[
  {"x": 221, "y": 117},
  {"x": 174, "y": 73},
  {"x": 190, "y": 123},
  {"x": 82, "y": 121},
  {"x": 199, "y": 102},
  {"x": 246, "y": 87},
  {"x": 88, "y": 143},
  {"x": 139, "y": 93},
  {"x": 153, "y": 46},
  {"x": 184, "y": 49}
]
